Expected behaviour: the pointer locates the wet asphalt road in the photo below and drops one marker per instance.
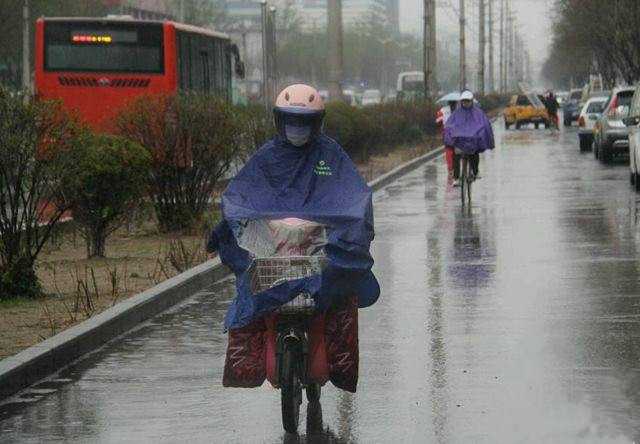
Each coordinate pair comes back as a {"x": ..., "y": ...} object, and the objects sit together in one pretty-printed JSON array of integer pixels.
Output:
[{"x": 516, "y": 322}]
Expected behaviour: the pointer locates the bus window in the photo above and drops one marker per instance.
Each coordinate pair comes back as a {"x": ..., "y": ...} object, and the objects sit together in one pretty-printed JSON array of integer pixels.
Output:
[
  {"x": 225, "y": 71},
  {"x": 98, "y": 47},
  {"x": 219, "y": 51},
  {"x": 206, "y": 69},
  {"x": 204, "y": 64},
  {"x": 184, "y": 63}
]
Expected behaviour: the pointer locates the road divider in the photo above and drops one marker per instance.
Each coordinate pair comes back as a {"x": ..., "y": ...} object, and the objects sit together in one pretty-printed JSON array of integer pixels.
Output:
[{"x": 19, "y": 371}]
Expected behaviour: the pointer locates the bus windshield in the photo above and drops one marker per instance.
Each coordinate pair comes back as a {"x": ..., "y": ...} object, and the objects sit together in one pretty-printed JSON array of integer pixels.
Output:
[{"x": 103, "y": 47}]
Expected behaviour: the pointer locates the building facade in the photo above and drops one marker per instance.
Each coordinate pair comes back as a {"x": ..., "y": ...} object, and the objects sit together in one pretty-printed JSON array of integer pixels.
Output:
[
  {"x": 313, "y": 13},
  {"x": 142, "y": 9}
]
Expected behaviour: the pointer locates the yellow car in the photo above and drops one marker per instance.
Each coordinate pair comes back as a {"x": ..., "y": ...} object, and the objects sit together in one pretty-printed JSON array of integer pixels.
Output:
[{"x": 524, "y": 109}]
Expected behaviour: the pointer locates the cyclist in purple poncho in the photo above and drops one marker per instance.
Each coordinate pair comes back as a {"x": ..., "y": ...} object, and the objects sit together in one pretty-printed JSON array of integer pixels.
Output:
[{"x": 469, "y": 131}]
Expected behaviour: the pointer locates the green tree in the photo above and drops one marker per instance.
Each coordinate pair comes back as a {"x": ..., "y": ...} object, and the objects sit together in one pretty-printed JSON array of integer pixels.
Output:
[
  {"x": 372, "y": 52},
  {"x": 111, "y": 179},
  {"x": 592, "y": 36},
  {"x": 193, "y": 139},
  {"x": 35, "y": 145}
]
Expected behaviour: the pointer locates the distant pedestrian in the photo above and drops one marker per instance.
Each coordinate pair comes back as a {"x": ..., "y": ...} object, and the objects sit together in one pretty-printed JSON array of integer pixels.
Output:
[
  {"x": 552, "y": 105},
  {"x": 441, "y": 120}
]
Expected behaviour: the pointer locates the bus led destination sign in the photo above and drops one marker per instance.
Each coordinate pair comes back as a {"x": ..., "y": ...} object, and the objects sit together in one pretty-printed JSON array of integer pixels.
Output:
[
  {"x": 92, "y": 39},
  {"x": 104, "y": 36}
]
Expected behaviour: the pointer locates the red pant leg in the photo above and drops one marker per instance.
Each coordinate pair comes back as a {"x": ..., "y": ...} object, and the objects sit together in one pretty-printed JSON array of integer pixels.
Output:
[{"x": 448, "y": 155}]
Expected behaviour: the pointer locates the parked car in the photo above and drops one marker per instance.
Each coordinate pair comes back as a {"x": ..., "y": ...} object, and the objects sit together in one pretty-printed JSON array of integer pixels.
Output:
[
  {"x": 371, "y": 97},
  {"x": 561, "y": 97},
  {"x": 610, "y": 134},
  {"x": 524, "y": 109},
  {"x": 589, "y": 115},
  {"x": 632, "y": 121},
  {"x": 570, "y": 108},
  {"x": 350, "y": 97},
  {"x": 324, "y": 94}
]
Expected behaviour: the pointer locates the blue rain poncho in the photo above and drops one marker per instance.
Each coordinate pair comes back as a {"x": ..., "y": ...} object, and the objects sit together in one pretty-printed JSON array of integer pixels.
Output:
[
  {"x": 469, "y": 130},
  {"x": 318, "y": 183}
]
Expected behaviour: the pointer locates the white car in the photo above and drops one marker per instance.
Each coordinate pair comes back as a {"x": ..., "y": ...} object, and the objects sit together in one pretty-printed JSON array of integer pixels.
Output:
[
  {"x": 633, "y": 121},
  {"x": 589, "y": 115},
  {"x": 324, "y": 94},
  {"x": 371, "y": 97}
]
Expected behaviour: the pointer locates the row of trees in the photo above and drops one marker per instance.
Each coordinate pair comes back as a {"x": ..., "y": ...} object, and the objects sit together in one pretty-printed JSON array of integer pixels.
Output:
[
  {"x": 595, "y": 36},
  {"x": 372, "y": 51},
  {"x": 168, "y": 151}
]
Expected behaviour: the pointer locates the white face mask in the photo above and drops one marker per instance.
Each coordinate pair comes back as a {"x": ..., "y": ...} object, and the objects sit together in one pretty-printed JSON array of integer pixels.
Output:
[{"x": 297, "y": 135}]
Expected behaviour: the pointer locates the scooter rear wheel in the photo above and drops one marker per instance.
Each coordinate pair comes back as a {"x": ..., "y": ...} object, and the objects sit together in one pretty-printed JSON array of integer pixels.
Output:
[{"x": 291, "y": 389}]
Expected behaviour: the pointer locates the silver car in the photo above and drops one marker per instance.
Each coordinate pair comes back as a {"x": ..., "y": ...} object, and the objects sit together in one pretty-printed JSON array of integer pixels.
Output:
[
  {"x": 591, "y": 112},
  {"x": 633, "y": 122},
  {"x": 610, "y": 134}
]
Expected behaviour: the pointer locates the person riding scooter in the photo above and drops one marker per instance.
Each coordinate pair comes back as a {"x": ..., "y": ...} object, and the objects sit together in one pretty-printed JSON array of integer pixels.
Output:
[
  {"x": 299, "y": 175},
  {"x": 470, "y": 132}
]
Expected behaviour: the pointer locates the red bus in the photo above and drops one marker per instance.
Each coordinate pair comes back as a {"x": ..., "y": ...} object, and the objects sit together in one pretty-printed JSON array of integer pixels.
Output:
[{"x": 95, "y": 66}]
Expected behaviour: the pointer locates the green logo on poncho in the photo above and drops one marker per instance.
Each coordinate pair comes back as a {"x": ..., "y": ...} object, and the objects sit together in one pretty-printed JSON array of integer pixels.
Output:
[{"x": 322, "y": 169}]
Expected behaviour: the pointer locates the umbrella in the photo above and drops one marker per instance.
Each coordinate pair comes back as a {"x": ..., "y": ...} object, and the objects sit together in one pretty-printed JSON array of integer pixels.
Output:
[{"x": 451, "y": 97}]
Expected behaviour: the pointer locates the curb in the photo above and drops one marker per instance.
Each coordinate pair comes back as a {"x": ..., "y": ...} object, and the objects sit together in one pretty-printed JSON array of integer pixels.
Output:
[
  {"x": 29, "y": 366},
  {"x": 401, "y": 170},
  {"x": 19, "y": 371}
]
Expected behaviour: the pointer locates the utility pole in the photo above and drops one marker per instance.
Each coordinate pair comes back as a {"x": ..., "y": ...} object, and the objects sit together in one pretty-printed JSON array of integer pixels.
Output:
[
  {"x": 520, "y": 59},
  {"x": 502, "y": 87},
  {"x": 265, "y": 55},
  {"x": 481, "y": 48},
  {"x": 26, "y": 53},
  {"x": 181, "y": 11},
  {"x": 491, "y": 84},
  {"x": 514, "y": 74},
  {"x": 273, "y": 53},
  {"x": 463, "y": 55},
  {"x": 517, "y": 60},
  {"x": 426, "y": 36},
  {"x": 510, "y": 51},
  {"x": 334, "y": 33},
  {"x": 429, "y": 48},
  {"x": 434, "y": 49}
]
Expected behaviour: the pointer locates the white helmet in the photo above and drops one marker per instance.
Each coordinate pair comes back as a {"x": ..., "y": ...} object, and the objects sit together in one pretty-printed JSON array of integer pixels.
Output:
[{"x": 466, "y": 95}]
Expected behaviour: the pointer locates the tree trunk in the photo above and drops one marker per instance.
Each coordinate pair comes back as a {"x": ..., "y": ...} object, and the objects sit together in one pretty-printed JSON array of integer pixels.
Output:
[{"x": 96, "y": 242}]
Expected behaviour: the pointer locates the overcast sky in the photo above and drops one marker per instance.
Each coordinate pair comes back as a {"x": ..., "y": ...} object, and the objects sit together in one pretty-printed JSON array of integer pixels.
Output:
[{"x": 534, "y": 18}]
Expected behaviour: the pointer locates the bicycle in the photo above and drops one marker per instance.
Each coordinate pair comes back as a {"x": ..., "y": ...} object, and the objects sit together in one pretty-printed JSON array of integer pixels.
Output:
[
  {"x": 293, "y": 320},
  {"x": 467, "y": 177}
]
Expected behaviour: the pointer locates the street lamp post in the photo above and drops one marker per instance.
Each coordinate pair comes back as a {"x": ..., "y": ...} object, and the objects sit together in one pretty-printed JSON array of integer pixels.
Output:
[{"x": 334, "y": 29}]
